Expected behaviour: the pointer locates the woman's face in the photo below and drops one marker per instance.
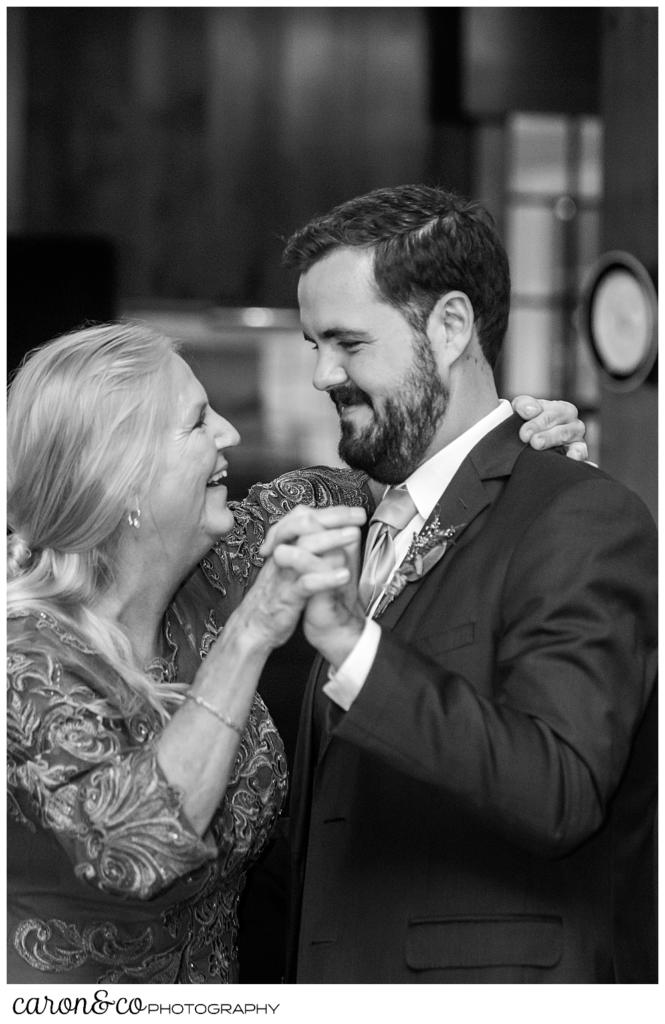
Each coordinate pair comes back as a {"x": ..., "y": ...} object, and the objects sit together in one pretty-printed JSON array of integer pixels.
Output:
[{"x": 186, "y": 504}]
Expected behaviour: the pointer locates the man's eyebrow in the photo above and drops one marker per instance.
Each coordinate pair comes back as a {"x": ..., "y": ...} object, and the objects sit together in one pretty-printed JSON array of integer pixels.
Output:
[{"x": 339, "y": 333}]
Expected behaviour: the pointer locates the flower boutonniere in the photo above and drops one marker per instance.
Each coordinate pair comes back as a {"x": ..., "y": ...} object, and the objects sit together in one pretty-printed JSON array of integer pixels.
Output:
[{"x": 427, "y": 548}]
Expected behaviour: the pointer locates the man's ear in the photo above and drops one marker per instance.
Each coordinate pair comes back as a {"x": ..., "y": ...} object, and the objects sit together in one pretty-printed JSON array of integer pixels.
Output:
[{"x": 451, "y": 327}]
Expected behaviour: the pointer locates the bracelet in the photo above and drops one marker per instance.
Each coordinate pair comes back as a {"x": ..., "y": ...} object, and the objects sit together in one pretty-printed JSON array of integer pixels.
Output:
[{"x": 213, "y": 711}]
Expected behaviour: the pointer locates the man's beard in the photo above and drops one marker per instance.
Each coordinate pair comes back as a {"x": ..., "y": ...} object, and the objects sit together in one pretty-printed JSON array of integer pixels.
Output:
[{"x": 394, "y": 444}]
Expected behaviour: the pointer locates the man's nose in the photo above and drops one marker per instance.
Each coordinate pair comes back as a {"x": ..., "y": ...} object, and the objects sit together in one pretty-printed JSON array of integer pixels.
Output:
[{"x": 329, "y": 371}]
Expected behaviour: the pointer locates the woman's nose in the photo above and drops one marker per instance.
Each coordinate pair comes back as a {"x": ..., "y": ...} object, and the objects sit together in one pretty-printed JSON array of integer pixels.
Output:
[{"x": 226, "y": 435}]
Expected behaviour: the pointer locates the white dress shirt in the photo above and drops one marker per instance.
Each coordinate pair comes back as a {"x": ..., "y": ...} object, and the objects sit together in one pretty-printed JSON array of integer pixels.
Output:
[{"x": 426, "y": 486}]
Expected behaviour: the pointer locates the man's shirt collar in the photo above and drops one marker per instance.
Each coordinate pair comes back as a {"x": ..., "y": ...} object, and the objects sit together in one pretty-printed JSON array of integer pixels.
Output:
[{"x": 429, "y": 481}]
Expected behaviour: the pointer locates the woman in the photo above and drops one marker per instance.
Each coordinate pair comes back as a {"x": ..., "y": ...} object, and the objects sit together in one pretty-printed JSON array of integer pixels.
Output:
[{"x": 145, "y": 772}]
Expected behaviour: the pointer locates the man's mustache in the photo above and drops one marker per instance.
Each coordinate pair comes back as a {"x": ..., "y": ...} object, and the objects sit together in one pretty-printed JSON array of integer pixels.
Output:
[{"x": 349, "y": 394}]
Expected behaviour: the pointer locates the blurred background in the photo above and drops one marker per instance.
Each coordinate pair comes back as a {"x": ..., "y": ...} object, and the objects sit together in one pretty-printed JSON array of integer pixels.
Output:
[{"x": 159, "y": 156}]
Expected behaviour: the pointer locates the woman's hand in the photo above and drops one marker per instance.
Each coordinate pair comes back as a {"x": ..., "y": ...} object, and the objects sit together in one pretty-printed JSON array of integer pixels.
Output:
[
  {"x": 308, "y": 552},
  {"x": 551, "y": 424},
  {"x": 333, "y": 618}
]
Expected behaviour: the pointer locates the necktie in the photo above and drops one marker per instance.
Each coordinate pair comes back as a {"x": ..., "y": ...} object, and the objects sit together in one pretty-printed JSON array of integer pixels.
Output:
[{"x": 392, "y": 515}]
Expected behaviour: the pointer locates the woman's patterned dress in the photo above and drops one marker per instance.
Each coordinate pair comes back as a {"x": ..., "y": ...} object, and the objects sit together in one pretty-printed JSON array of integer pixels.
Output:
[{"x": 107, "y": 880}]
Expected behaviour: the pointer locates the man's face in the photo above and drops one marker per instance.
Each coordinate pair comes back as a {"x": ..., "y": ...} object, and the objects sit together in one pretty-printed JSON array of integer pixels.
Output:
[{"x": 380, "y": 372}]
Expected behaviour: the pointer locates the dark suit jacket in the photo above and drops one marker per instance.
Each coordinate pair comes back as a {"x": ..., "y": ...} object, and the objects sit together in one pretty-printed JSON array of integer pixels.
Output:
[{"x": 484, "y": 812}]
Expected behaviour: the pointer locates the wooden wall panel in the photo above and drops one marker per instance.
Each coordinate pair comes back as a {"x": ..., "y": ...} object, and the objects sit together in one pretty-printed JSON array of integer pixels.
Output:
[
  {"x": 16, "y": 117},
  {"x": 243, "y": 123},
  {"x": 196, "y": 138}
]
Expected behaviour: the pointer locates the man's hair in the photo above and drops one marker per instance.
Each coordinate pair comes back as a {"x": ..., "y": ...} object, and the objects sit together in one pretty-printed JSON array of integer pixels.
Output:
[{"x": 426, "y": 242}]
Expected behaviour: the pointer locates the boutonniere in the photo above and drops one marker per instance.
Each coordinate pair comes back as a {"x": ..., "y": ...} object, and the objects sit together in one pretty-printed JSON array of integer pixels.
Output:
[{"x": 427, "y": 548}]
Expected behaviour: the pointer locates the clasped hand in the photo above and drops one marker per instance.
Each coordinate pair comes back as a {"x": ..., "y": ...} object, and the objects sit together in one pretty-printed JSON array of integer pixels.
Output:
[{"x": 312, "y": 558}]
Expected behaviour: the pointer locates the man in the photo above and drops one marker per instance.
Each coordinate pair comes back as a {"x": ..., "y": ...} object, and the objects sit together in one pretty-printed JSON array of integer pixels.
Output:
[{"x": 474, "y": 788}]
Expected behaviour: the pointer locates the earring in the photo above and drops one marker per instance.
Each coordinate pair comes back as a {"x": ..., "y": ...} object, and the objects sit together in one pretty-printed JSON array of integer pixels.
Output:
[{"x": 134, "y": 517}]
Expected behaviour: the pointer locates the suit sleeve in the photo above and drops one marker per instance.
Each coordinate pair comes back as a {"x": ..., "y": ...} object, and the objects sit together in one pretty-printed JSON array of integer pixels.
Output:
[{"x": 540, "y": 758}]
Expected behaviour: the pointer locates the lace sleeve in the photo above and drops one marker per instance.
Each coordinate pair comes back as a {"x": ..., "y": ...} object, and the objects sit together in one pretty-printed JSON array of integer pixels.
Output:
[
  {"x": 317, "y": 487},
  {"x": 234, "y": 561},
  {"x": 255, "y": 794},
  {"x": 94, "y": 783}
]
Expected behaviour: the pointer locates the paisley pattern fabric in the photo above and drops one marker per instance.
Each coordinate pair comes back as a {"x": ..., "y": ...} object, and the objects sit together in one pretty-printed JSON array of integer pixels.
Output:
[{"x": 107, "y": 881}]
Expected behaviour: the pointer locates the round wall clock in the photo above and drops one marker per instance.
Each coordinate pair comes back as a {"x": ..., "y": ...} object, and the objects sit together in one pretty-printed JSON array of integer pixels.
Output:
[{"x": 619, "y": 316}]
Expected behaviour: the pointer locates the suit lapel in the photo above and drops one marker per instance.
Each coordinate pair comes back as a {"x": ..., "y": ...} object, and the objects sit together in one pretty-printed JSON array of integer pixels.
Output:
[{"x": 465, "y": 498}]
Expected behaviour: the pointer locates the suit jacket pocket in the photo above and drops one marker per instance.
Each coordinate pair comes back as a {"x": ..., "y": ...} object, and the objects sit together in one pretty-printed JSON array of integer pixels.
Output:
[
  {"x": 524, "y": 940},
  {"x": 448, "y": 639}
]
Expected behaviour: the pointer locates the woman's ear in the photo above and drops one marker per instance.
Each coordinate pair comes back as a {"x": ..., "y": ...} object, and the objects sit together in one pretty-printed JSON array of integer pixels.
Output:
[{"x": 451, "y": 327}]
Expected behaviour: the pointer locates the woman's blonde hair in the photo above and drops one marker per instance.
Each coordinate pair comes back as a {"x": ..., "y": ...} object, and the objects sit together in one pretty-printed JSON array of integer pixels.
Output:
[{"x": 84, "y": 417}]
